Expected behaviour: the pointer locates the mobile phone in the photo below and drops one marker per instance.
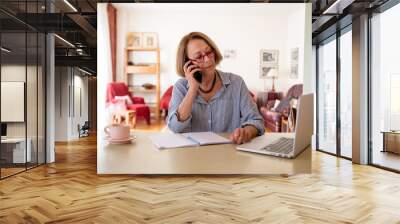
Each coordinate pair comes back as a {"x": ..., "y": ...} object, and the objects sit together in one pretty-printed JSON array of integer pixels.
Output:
[{"x": 197, "y": 75}]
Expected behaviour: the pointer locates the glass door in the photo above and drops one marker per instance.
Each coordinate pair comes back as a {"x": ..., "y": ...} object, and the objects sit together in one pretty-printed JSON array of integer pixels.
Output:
[
  {"x": 334, "y": 92},
  {"x": 326, "y": 121},
  {"x": 346, "y": 93},
  {"x": 385, "y": 89}
]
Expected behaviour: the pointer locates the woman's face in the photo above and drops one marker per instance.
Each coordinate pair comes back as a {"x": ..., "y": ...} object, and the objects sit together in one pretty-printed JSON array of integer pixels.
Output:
[{"x": 201, "y": 54}]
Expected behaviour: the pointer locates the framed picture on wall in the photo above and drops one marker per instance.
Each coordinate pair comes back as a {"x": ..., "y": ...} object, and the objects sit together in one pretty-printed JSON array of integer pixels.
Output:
[
  {"x": 134, "y": 39},
  {"x": 294, "y": 63},
  {"x": 269, "y": 57},
  {"x": 294, "y": 71},
  {"x": 267, "y": 71},
  {"x": 264, "y": 70},
  {"x": 150, "y": 40}
]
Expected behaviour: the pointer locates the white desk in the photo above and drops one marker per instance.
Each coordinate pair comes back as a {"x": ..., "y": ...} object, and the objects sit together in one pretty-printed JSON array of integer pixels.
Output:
[
  {"x": 19, "y": 149},
  {"x": 142, "y": 157}
]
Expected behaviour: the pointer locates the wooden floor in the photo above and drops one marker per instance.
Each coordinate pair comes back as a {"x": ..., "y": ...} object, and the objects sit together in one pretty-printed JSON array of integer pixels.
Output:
[
  {"x": 70, "y": 191},
  {"x": 387, "y": 159}
]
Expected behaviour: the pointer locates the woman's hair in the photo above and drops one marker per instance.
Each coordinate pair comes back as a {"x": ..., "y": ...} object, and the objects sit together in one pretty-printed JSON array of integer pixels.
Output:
[{"x": 182, "y": 50}]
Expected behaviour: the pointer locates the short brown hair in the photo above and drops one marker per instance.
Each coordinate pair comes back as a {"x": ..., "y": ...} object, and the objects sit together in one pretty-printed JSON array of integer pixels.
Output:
[{"x": 182, "y": 50}]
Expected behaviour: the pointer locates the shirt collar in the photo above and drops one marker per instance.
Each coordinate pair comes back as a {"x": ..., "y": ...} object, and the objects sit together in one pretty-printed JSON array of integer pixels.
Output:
[{"x": 224, "y": 77}]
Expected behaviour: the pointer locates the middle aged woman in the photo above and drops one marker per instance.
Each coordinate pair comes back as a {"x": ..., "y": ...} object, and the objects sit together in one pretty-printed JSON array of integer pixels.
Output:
[{"x": 219, "y": 102}]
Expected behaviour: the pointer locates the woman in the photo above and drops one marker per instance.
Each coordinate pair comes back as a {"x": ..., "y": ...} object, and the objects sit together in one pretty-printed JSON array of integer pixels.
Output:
[{"x": 219, "y": 103}]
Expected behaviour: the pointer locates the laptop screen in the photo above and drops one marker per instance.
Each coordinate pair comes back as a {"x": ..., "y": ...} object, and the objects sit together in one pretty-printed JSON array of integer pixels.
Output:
[{"x": 3, "y": 129}]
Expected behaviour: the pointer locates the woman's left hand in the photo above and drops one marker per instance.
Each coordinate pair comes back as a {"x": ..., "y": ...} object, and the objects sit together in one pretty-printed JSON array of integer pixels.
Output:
[{"x": 243, "y": 135}]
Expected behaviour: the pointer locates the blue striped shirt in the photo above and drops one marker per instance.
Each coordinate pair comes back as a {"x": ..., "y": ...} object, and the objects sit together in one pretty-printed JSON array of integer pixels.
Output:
[{"x": 230, "y": 108}]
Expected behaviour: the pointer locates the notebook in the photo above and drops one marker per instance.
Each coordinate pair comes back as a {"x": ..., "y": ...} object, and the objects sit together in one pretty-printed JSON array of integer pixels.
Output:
[{"x": 173, "y": 140}]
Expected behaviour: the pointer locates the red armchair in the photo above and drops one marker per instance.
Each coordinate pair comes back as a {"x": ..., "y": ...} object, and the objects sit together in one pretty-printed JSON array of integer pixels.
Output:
[
  {"x": 164, "y": 102},
  {"x": 273, "y": 119},
  {"x": 138, "y": 104}
]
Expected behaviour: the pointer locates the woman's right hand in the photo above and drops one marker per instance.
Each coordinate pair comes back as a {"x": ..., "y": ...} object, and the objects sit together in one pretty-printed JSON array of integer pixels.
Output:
[{"x": 189, "y": 70}]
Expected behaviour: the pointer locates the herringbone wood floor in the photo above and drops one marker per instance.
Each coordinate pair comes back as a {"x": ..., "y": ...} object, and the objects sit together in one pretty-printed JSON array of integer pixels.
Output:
[{"x": 70, "y": 191}]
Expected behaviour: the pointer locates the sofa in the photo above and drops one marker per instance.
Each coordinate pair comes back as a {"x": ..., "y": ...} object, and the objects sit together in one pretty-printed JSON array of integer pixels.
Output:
[{"x": 273, "y": 115}]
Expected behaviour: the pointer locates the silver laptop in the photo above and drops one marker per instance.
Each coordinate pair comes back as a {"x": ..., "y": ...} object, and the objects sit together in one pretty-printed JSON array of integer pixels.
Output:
[{"x": 287, "y": 145}]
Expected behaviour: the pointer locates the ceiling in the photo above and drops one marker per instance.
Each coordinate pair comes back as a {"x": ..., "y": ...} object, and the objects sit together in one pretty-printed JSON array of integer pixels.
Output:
[{"x": 76, "y": 21}]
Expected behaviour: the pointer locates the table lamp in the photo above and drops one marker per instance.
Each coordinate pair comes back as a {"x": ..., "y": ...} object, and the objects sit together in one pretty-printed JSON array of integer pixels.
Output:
[{"x": 273, "y": 73}]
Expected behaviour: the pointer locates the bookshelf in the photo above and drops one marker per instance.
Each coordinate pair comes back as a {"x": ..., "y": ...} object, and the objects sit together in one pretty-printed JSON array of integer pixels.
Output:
[{"x": 151, "y": 69}]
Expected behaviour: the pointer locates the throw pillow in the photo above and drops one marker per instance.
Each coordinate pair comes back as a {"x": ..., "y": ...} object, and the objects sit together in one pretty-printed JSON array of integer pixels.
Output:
[
  {"x": 126, "y": 98},
  {"x": 277, "y": 102},
  {"x": 284, "y": 104}
]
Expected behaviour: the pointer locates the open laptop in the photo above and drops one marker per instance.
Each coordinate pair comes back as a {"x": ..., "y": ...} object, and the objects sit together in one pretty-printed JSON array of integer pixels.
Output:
[
  {"x": 3, "y": 131},
  {"x": 287, "y": 145}
]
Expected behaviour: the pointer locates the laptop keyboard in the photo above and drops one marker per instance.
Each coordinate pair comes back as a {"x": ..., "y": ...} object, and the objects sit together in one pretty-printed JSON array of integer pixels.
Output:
[{"x": 282, "y": 145}]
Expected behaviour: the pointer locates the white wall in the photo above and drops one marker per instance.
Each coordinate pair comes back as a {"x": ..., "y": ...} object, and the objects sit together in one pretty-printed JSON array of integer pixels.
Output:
[
  {"x": 246, "y": 28},
  {"x": 17, "y": 73},
  {"x": 67, "y": 114}
]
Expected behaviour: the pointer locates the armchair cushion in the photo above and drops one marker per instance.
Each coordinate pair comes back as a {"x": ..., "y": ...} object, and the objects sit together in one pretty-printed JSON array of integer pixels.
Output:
[{"x": 137, "y": 100}]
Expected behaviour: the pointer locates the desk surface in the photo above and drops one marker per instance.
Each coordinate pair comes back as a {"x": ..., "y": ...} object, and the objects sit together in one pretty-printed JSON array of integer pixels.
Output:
[
  {"x": 142, "y": 157},
  {"x": 13, "y": 140}
]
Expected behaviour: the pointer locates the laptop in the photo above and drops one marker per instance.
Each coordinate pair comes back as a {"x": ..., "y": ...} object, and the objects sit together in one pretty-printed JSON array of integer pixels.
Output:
[
  {"x": 3, "y": 131},
  {"x": 287, "y": 145}
]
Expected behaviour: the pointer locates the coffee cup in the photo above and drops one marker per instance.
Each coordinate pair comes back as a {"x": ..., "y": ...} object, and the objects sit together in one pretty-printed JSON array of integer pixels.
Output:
[{"x": 117, "y": 131}]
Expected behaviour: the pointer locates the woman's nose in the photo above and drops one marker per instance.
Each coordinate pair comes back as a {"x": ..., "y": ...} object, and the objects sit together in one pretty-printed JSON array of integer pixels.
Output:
[{"x": 206, "y": 58}]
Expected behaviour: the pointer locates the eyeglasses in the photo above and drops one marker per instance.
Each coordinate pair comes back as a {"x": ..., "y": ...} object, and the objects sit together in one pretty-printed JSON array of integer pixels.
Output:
[{"x": 200, "y": 58}]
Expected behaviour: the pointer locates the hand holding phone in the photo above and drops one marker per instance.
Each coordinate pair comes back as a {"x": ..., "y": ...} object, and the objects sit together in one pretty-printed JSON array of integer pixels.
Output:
[
  {"x": 198, "y": 76},
  {"x": 194, "y": 79}
]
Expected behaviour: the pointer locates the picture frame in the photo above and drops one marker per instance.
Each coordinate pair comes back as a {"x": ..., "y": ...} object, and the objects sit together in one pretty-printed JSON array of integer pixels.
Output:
[
  {"x": 265, "y": 70},
  {"x": 294, "y": 71},
  {"x": 150, "y": 40},
  {"x": 294, "y": 63},
  {"x": 269, "y": 57},
  {"x": 135, "y": 39}
]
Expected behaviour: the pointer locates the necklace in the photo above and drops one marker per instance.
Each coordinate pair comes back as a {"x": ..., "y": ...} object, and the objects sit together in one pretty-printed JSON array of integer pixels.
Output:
[{"x": 212, "y": 85}]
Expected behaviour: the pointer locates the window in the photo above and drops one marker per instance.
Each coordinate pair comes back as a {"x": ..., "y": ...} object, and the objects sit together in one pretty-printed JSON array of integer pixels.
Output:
[
  {"x": 385, "y": 89},
  {"x": 327, "y": 96},
  {"x": 346, "y": 93},
  {"x": 335, "y": 94}
]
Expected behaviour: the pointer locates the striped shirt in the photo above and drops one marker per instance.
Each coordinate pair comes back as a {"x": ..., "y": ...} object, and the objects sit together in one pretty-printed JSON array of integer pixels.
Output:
[{"x": 230, "y": 108}]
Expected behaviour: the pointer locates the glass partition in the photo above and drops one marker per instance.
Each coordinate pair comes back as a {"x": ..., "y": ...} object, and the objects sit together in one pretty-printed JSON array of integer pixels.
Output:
[
  {"x": 327, "y": 96},
  {"x": 13, "y": 103},
  {"x": 385, "y": 89},
  {"x": 346, "y": 94},
  {"x": 22, "y": 67}
]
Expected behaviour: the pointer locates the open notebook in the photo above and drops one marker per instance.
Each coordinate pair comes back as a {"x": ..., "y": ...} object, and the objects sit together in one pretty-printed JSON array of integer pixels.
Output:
[{"x": 173, "y": 140}]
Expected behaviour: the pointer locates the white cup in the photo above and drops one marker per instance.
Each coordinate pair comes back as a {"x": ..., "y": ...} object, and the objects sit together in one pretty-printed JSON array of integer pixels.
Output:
[{"x": 117, "y": 131}]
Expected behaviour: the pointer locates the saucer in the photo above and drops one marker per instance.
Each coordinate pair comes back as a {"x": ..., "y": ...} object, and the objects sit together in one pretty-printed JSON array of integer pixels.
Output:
[{"x": 120, "y": 141}]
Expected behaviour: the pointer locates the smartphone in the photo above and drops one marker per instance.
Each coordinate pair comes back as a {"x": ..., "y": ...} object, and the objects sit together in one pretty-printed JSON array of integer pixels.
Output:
[{"x": 197, "y": 75}]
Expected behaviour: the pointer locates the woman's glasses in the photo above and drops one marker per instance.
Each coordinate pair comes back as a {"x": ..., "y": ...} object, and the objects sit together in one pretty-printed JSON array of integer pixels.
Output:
[{"x": 200, "y": 58}]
